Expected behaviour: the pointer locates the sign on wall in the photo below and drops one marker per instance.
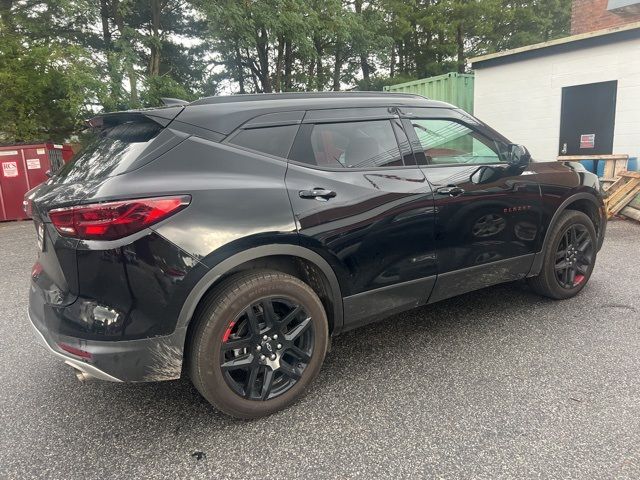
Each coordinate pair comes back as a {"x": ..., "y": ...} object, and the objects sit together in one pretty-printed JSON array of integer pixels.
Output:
[
  {"x": 10, "y": 169},
  {"x": 588, "y": 140},
  {"x": 33, "y": 163}
]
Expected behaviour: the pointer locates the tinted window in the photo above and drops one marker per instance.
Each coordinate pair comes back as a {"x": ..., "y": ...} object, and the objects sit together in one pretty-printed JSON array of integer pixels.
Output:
[
  {"x": 110, "y": 152},
  {"x": 350, "y": 145},
  {"x": 272, "y": 140},
  {"x": 449, "y": 142}
]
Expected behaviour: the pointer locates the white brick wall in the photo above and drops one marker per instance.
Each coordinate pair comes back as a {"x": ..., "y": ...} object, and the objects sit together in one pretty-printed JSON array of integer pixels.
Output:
[{"x": 522, "y": 99}]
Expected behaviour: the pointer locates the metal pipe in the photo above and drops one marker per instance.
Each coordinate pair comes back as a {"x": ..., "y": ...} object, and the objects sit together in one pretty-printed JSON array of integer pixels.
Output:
[{"x": 81, "y": 375}]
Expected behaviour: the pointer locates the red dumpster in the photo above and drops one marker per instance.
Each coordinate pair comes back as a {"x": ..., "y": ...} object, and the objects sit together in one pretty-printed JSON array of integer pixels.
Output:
[{"x": 23, "y": 167}]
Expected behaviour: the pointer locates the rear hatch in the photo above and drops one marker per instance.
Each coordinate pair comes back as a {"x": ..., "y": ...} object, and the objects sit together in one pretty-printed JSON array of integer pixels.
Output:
[{"x": 119, "y": 143}]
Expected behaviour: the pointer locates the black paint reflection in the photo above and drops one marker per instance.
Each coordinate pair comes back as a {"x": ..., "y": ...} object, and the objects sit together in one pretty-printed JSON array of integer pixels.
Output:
[
  {"x": 378, "y": 229},
  {"x": 494, "y": 219}
]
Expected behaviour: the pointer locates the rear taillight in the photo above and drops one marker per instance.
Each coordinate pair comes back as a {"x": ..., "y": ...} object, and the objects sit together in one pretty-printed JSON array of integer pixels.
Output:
[
  {"x": 27, "y": 206},
  {"x": 113, "y": 220}
]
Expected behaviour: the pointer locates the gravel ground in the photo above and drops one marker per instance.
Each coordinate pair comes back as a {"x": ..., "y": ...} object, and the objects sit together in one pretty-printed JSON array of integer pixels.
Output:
[{"x": 498, "y": 383}]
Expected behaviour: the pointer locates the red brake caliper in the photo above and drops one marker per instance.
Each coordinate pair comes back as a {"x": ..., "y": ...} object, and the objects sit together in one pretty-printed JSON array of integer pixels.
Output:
[
  {"x": 578, "y": 280},
  {"x": 225, "y": 337}
]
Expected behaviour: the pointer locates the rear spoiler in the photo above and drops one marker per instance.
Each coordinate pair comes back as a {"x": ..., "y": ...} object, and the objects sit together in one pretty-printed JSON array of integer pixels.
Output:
[{"x": 162, "y": 116}]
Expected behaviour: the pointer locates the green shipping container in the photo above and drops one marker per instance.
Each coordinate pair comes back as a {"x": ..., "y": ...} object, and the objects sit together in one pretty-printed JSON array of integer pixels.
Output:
[{"x": 453, "y": 88}]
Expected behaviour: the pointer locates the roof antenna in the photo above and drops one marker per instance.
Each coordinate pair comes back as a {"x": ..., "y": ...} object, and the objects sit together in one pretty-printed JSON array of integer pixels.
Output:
[{"x": 172, "y": 102}]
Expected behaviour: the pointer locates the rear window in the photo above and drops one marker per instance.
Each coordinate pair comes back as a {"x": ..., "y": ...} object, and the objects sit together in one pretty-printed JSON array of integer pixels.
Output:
[
  {"x": 368, "y": 144},
  {"x": 110, "y": 152}
]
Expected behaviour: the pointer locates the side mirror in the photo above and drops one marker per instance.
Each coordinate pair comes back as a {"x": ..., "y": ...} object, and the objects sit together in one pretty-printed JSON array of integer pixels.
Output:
[
  {"x": 518, "y": 155},
  {"x": 485, "y": 174}
]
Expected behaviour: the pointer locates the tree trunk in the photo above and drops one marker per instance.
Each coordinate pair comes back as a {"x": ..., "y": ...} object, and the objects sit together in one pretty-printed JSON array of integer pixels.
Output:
[
  {"x": 392, "y": 66},
  {"x": 239, "y": 69},
  {"x": 337, "y": 67},
  {"x": 252, "y": 69},
  {"x": 262, "y": 45},
  {"x": 154, "y": 59},
  {"x": 279, "y": 60},
  {"x": 5, "y": 14},
  {"x": 104, "y": 18},
  {"x": 310, "y": 69},
  {"x": 288, "y": 63},
  {"x": 319, "y": 71},
  {"x": 460, "y": 43},
  {"x": 115, "y": 77},
  {"x": 131, "y": 73},
  {"x": 364, "y": 56}
]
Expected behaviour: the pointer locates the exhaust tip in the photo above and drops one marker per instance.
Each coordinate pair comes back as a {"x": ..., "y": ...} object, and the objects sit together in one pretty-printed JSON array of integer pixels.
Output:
[{"x": 81, "y": 375}]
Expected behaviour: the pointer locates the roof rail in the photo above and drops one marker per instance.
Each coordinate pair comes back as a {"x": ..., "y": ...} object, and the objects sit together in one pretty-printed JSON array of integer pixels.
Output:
[{"x": 253, "y": 97}]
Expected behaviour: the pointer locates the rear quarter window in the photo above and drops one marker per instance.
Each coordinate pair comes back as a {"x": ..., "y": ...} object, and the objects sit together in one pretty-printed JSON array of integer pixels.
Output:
[
  {"x": 110, "y": 152},
  {"x": 275, "y": 141}
]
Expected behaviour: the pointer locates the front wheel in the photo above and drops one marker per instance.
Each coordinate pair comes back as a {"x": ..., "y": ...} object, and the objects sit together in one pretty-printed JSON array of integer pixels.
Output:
[
  {"x": 569, "y": 258},
  {"x": 261, "y": 338}
]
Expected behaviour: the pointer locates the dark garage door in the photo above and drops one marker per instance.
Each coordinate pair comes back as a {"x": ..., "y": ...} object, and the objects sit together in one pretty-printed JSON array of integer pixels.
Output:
[{"x": 587, "y": 119}]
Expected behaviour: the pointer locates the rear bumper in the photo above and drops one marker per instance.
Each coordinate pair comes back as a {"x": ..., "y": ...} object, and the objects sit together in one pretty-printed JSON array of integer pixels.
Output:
[
  {"x": 146, "y": 360},
  {"x": 75, "y": 363}
]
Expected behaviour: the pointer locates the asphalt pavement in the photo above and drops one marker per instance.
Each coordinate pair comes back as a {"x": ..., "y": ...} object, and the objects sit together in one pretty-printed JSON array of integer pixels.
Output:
[{"x": 499, "y": 383}]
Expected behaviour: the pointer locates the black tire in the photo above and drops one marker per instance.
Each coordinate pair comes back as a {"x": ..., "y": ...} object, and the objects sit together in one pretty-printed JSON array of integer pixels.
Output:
[
  {"x": 547, "y": 282},
  {"x": 230, "y": 301}
]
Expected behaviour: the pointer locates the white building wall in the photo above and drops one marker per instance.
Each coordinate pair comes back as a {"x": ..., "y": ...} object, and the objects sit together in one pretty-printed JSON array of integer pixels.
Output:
[{"x": 522, "y": 99}]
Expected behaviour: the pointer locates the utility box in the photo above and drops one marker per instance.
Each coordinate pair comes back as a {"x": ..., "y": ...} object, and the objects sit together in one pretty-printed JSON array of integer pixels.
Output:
[
  {"x": 23, "y": 167},
  {"x": 453, "y": 88}
]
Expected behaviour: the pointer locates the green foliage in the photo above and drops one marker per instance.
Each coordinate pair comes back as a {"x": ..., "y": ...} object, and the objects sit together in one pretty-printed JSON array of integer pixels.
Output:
[
  {"x": 47, "y": 83},
  {"x": 62, "y": 61},
  {"x": 378, "y": 82},
  {"x": 157, "y": 87}
]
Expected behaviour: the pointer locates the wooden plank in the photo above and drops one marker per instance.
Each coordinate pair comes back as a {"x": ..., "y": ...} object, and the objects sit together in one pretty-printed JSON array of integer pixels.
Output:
[
  {"x": 609, "y": 169},
  {"x": 619, "y": 167},
  {"x": 630, "y": 174},
  {"x": 606, "y": 184},
  {"x": 631, "y": 212},
  {"x": 617, "y": 185},
  {"x": 621, "y": 203},
  {"x": 575, "y": 158},
  {"x": 622, "y": 188},
  {"x": 621, "y": 193}
]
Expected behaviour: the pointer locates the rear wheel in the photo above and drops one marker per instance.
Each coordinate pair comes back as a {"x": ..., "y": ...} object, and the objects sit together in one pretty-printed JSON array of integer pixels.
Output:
[
  {"x": 569, "y": 258},
  {"x": 260, "y": 340}
]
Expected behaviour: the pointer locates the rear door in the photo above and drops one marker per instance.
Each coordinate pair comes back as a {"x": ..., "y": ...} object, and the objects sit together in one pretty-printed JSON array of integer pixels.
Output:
[
  {"x": 488, "y": 213},
  {"x": 360, "y": 200}
]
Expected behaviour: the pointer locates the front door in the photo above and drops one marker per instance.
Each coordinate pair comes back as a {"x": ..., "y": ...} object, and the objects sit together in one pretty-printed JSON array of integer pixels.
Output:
[
  {"x": 357, "y": 194},
  {"x": 588, "y": 118},
  {"x": 487, "y": 212}
]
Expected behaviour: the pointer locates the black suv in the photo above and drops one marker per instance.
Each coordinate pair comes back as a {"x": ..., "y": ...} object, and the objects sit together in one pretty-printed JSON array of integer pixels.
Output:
[{"x": 231, "y": 237}]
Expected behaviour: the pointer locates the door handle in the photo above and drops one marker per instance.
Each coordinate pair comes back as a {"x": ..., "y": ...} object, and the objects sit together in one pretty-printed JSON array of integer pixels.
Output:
[
  {"x": 317, "y": 193},
  {"x": 450, "y": 190}
]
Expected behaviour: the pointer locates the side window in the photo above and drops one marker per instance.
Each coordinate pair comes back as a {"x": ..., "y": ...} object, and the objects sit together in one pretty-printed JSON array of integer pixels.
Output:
[
  {"x": 364, "y": 144},
  {"x": 271, "y": 140},
  {"x": 450, "y": 142}
]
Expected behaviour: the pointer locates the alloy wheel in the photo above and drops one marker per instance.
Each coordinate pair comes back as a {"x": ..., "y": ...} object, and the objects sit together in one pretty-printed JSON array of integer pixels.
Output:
[
  {"x": 574, "y": 256},
  {"x": 266, "y": 348}
]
